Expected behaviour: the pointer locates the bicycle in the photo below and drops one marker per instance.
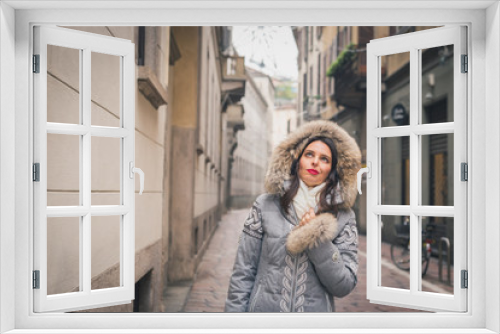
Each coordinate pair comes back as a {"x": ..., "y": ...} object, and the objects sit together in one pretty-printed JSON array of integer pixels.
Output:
[{"x": 400, "y": 249}]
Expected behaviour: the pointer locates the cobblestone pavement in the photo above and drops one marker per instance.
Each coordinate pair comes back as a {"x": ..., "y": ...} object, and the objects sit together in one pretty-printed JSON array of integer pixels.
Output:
[{"x": 207, "y": 293}]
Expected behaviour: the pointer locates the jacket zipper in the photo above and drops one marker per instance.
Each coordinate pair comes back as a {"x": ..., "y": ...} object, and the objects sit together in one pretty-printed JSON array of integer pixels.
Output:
[{"x": 254, "y": 301}]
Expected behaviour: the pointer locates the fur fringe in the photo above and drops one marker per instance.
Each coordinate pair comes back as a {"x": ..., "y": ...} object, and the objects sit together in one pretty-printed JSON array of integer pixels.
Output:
[
  {"x": 320, "y": 229},
  {"x": 349, "y": 158}
]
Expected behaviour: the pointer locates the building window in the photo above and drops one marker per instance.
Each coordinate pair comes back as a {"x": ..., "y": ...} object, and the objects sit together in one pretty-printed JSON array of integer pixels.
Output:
[
  {"x": 311, "y": 80},
  {"x": 318, "y": 74},
  {"x": 141, "y": 45}
]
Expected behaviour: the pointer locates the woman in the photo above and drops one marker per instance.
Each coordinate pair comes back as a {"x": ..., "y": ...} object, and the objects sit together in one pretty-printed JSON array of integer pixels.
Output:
[{"x": 298, "y": 248}]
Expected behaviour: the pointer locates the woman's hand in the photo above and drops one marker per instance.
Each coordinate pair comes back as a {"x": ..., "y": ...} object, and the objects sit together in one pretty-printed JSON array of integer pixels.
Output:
[{"x": 307, "y": 217}]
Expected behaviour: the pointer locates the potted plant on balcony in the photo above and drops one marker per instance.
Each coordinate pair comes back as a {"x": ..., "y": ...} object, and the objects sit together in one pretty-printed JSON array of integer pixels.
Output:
[{"x": 347, "y": 56}]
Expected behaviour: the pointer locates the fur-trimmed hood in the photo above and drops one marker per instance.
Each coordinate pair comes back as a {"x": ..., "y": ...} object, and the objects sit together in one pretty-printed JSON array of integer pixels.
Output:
[{"x": 349, "y": 159}]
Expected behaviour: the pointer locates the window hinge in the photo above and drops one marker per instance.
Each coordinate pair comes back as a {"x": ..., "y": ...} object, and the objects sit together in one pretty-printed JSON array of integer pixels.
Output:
[
  {"x": 36, "y": 279},
  {"x": 465, "y": 64},
  {"x": 36, "y": 63},
  {"x": 465, "y": 279},
  {"x": 464, "y": 171},
  {"x": 36, "y": 172}
]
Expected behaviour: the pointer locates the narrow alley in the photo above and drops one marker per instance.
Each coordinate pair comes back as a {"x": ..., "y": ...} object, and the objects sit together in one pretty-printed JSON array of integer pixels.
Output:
[{"x": 207, "y": 292}]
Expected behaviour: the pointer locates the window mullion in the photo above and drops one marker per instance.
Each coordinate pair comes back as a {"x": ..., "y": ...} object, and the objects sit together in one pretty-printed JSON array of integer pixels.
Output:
[
  {"x": 414, "y": 172},
  {"x": 85, "y": 177}
]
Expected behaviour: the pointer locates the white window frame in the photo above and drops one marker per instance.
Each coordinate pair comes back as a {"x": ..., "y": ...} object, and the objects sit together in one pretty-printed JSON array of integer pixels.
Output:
[
  {"x": 86, "y": 44},
  {"x": 413, "y": 43},
  {"x": 483, "y": 21}
]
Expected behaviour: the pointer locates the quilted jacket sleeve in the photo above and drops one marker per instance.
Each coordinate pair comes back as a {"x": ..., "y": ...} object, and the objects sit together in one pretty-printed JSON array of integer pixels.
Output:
[
  {"x": 336, "y": 262},
  {"x": 246, "y": 263}
]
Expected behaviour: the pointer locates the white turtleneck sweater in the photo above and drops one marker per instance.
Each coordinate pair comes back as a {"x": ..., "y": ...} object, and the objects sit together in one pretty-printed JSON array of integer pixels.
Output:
[{"x": 306, "y": 198}]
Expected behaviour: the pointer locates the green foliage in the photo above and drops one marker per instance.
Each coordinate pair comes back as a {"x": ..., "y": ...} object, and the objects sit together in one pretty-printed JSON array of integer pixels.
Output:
[
  {"x": 346, "y": 56},
  {"x": 285, "y": 91}
]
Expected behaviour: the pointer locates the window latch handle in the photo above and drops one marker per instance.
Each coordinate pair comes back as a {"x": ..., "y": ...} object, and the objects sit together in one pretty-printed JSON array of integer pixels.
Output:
[
  {"x": 367, "y": 170},
  {"x": 134, "y": 170}
]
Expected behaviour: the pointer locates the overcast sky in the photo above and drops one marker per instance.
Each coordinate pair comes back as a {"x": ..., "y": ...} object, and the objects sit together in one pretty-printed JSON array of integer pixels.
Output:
[{"x": 272, "y": 46}]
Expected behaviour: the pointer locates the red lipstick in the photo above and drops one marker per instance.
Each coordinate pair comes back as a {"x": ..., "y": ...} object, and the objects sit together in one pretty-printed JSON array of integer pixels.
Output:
[{"x": 313, "y": 171}]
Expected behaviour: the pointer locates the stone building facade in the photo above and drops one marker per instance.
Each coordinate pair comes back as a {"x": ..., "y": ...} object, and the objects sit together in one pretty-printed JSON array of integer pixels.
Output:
[
  {"x": 254, "y": 144},
  {"x": 332, "y": 86},
  {"x": 208, "y": 81}
]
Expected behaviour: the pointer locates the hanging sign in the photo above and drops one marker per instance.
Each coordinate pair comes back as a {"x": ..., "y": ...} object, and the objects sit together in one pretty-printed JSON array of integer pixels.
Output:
[{"x": 399, "y": 114}]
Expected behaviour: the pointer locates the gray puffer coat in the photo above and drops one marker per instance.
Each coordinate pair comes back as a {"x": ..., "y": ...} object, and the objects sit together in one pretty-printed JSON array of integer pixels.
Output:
[{"x": 281, "y": 267}]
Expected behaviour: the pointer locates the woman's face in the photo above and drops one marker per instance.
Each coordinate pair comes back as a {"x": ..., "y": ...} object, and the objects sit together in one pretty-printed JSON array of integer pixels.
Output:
[{"x": 315, "y": 164}]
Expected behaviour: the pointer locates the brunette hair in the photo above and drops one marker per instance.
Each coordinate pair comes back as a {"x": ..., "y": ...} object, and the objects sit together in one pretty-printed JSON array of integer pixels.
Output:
[{"x": 331, "y": 180}]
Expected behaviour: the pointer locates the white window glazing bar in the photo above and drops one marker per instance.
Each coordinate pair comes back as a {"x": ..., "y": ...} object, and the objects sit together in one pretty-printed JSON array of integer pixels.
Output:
[
  {"x": 392, "y": 210},
  {"x": 67, "y": 129},
  {"x": 433, "y": 129},
  {"x": 82, "y": 219},
  {"x": 415, "y": 183},
  {"x": 419, "y": 210},
  {"x": 109, "y": 210},
  {"x": 80, "y": 211},
  {"x": 67, "y": 211},
  {"x": 102, "y": 131},
  {"x": 392, "y": 131},
  {"x": 75, "y": 129},
  {"x": 423, "y": 129},
  {"x": 434, "y": 211},
  {"x": 86, "y": 164}
]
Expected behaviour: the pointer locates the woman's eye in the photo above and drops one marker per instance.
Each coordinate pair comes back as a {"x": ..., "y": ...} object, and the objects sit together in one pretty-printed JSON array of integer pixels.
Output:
[
  {"x": 325, "y": 159},
  {"x": 309, "y": 154}
]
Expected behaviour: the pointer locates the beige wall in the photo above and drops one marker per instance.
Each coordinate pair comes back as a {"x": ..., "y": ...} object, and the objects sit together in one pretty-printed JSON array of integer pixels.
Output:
[
  {"x": 282, "y": 116},
  {"x": 327, "y": 39},
  {"x": 186, "y": 93},
  {"x": 209, "y": 129},
  {"x": 196, "y": 144}
]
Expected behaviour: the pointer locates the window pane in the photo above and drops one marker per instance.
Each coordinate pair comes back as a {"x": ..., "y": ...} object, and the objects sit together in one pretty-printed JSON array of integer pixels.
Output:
[
  {"x": 63, "y": 85},
  {"x": 106, "y": 245},
  {"x": 106, "y": 171},
  {"x": 437, "y": 257},
  {"x": 395, "y": 89},
  {"x": 437, "y": 170},
  {"x": 106, "y": 85},
  {"x": 395, "y": 169},
  {"x": 63, "y": 255},
  {"x": 63, "y": 170},
  {"x": 437, "y": 84},
  {"x": 395, "y": 252}
]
